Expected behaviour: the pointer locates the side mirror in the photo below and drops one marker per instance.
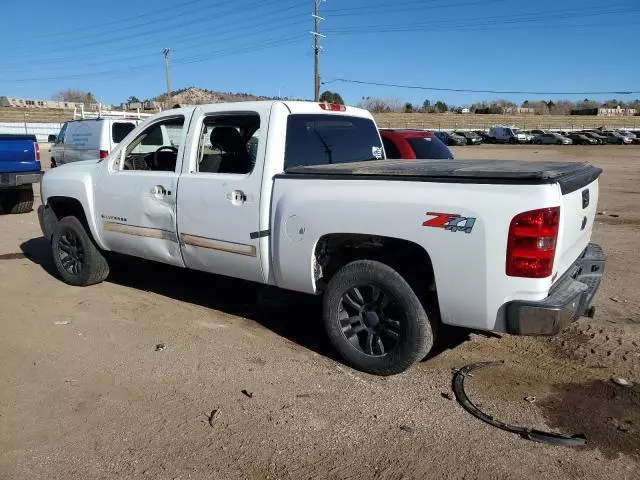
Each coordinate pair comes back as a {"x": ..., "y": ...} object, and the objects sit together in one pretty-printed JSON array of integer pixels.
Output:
[{"x": 51, "y": 138}]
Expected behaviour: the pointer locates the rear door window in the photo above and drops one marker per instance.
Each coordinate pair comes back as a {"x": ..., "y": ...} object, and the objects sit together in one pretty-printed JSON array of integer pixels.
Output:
[
  {"x": 430, "y": 148},
  {"x": 119, "y": 130},
  {"x": 327, "y": 139}
]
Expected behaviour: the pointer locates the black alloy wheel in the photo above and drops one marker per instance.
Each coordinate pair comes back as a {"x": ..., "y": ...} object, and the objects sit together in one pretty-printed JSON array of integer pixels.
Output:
[
  {"x": 370, "y": 319},
  {"x": 71, "y": 253}
]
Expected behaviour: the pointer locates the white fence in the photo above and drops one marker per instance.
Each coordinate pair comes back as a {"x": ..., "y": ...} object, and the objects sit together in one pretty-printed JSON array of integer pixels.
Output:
[{"x": 40, "y": 130}]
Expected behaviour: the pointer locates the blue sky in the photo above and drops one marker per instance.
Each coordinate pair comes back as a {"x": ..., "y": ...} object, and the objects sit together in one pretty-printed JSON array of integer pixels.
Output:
[{"x": 114, "y": 48}]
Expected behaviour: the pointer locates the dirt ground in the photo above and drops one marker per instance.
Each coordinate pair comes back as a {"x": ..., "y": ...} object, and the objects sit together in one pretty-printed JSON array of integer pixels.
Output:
[{"x": 245, "y": 385}]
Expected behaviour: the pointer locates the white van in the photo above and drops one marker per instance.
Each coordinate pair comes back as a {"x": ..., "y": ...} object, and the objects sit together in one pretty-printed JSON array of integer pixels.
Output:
[
  {"x": 503, "y": 134},
  {"x": 92, "y": 138}
]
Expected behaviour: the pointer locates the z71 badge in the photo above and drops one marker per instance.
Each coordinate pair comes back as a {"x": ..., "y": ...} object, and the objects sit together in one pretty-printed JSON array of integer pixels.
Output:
[{"x": 450, "y": 221}]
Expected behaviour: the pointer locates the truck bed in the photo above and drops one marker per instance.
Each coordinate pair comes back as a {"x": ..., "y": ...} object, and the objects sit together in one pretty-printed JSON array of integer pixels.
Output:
[{"x": 569, "y": 175}]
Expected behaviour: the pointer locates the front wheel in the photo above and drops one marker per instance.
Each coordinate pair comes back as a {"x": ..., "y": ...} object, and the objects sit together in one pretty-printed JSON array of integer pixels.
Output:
[
  {"x": 76, "y": 256},
  {"x": 375, "y": 320}
]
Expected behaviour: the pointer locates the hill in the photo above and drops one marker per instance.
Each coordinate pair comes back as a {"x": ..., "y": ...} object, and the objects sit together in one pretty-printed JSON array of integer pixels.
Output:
[{"x": 199, "y": 96}]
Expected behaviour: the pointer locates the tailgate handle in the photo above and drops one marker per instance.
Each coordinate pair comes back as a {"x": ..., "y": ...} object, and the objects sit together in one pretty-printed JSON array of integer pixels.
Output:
[{"x": 585, "y": 198}]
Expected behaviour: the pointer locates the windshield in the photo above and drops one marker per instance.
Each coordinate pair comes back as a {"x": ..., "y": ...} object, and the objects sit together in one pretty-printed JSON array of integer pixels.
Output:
[
  {"x": 430, "y": 147},
  {"x": 320, "y": 139}
]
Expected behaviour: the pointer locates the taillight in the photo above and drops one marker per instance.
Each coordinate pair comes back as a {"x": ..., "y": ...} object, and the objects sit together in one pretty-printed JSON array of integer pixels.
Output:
[
  {"x": 104, "y": 154},
  {"x": 333, "y": 107},
  {"x": 531, "y": 244},
  {"x": 36, "y": 148}
]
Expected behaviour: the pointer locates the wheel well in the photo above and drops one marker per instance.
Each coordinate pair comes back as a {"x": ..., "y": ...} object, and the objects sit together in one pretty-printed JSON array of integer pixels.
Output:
[
  {"x": 66, "y": 207},
  {"x": 410, "y": 259}
]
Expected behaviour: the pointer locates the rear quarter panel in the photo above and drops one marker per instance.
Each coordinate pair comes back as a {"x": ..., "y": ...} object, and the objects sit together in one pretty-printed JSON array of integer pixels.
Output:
[{"x": 469, "y": 267}]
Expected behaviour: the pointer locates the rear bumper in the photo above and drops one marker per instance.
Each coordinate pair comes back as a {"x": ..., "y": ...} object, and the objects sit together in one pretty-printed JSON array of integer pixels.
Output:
[
  {"x": 11, "y": 180},
  {"x": 568, "y": 299}
]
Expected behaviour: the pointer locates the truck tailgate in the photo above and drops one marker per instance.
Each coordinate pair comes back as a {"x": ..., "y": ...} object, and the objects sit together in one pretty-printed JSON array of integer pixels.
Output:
[
  {"x": 17, "y": 154},
  {"x": 577, "y": 214}
]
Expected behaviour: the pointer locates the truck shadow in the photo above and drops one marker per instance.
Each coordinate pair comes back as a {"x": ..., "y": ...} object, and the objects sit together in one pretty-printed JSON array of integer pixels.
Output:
[{"x": 295, "y": 316}]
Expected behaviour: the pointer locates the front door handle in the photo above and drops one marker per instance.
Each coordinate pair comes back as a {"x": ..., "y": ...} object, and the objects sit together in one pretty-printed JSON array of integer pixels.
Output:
[{"x": 237, "y": 197}]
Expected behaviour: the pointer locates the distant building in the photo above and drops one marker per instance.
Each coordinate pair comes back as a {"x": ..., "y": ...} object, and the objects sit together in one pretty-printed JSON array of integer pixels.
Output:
[
  {"x": 519, "y": 111},
  {"x": 151, "y": 105},
  {"x": 606, "y": 112},
  {"x": 34, "y": 103},
  {"x": 465, "y": 110},
  {"x": 616, "y": 112},
  {"x": 584, "y": 111}
]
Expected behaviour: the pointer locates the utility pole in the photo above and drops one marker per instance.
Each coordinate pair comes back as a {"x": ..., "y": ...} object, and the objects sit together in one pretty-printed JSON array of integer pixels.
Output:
[
  {"x": 166, "y": 66},
  {"x": 316, "y": 49}
]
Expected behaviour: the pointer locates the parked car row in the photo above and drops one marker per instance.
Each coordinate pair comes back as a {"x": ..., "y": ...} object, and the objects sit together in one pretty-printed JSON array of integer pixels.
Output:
[
  {"x": 587, "y": 137},
  {"x": 513, "y": 135}
]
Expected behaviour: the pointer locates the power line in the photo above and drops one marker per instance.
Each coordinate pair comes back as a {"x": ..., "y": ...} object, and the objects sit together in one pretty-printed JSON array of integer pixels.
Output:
[
  {"x": 187, "y": 40},
  {"x": 467, "y": 90},
  {"x": 493, "y": 20},
  {"x": 105, "y": 39},
  {"x": 92, "y": 29},
  {"x": 469, "y": 28},
  {"x": 386, "y": 7},
  {"x": 183, "y": 61}
]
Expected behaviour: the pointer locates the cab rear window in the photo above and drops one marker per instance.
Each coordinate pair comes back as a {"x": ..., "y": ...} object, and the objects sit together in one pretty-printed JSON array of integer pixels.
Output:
[
  {"x": 119, "y": 130},
  {"x": 327, "y": 139}
]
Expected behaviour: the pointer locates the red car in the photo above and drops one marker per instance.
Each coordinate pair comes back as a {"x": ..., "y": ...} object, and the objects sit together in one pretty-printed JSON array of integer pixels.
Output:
[{"x": 412, "y": 144}]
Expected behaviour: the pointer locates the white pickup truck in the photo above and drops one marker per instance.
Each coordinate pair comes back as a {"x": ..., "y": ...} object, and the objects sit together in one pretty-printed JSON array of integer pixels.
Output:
[{"x": 298, "y": 195}]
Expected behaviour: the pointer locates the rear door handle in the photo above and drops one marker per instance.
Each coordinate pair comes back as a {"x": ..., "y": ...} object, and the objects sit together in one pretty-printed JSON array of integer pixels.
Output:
[{"x": 159, "y": 191}]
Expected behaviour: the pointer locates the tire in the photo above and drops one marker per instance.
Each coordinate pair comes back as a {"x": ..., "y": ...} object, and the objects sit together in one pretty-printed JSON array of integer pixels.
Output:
[
  {"x": 358, "y": 306},
  {"x": 512, "y": 141},
  {"x": 53, "y": 163},
  {"x": 17, "y": 201},
  {"x": 559, "y": 142},
  {"x": 76, "y": 256}
]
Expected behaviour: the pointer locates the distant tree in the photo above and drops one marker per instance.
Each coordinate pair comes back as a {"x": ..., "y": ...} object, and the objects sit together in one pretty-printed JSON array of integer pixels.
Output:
[
  {"x": 613, "y": 103},
  {"x": 378, "y": 105},
  {"x": 331, "y": 97},
  {"x": 408, "y": 107},
  {"x": 562, "y": 107},
  {"x": 525, "y": 104},
  {"x": 540, "y": 108},
  {"x": 440, "y": 107},
  {"x": 503, "y": 103},
  {"x": 75, "y": 96},
  {"x": 426, "y": 104},
  {"x": 133, "y": 99},
  {"x": 586, "y": 103}
]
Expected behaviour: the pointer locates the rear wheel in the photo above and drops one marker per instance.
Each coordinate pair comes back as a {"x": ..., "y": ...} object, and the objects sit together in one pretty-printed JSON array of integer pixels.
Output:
[
  {"x": 375, "y": 320},
  {"x": 19, "y": 200},
  {"x": 76, "y": 256}
]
